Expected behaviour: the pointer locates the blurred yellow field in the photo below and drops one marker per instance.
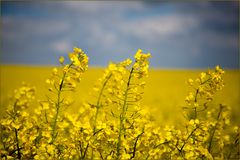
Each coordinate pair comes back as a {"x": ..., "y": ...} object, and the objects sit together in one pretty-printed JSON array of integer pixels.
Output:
[{"x": 164, "y": 93}]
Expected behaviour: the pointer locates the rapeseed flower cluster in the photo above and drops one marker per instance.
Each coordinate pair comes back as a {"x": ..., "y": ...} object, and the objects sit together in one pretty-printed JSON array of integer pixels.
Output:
[
  {"x": 115, "y": 125},
  {"x": 204, "y": 89},
  {"x": 17, "y": 130}
]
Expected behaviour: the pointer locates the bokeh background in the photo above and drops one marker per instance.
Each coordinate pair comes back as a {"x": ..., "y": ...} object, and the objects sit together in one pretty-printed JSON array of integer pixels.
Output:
[{"x": 177, "y": 34}]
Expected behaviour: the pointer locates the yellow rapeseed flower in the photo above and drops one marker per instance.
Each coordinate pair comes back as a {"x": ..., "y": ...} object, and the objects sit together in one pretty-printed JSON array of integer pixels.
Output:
[{"x": 61, "y": 59}]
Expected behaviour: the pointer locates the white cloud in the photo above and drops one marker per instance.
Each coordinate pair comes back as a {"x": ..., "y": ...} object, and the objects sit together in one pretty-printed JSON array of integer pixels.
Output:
[
  {"x": 15, "y": 27},
  {"x": 61, "y": 46},
  {"x": 112, "y": 30},
  {"x": 100, "y": 35},
  {"x": 159, "y": 26}
]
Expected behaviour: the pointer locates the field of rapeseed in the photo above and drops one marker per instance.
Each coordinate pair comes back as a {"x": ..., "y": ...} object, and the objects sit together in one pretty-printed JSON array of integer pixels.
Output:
[{"x": 114, "y": 122}]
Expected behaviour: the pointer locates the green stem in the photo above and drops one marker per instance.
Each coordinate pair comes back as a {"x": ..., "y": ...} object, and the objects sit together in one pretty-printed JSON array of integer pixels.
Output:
[
  {"x": 98, "y": 102},
  {"x": 196, "y": 98},
  {"x": 58, "y": 105},
  {"x": 185, "y": 142},
  {"x": 85, "y": 152},
  {"x": 17, "y": 141},
  {"x": 135, "y": 145},
  {"x": 195, "y": 108},
  {"x": 235, "y": 144},
  {"x": 195, "y": 112},
  {"x": 123, "y": 116},
  {"x": 214, "y": 130},
  {"x": 98, "y": 106},
  {"x": 16, "y": 131}
]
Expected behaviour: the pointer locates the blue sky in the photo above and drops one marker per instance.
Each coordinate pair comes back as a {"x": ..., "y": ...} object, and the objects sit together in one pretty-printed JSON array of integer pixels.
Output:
[{"x": 177, "y": 34}]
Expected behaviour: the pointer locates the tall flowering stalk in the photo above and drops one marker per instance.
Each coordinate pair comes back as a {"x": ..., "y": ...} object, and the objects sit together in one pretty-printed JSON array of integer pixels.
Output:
[
  {"x": 205, "y": 86},
  {"x": 130, "y": 96},
  {"x": 100, "y": 88},
  {"x": 66, "y": 80},
  {"x": 121, "y": 86},
  {"x": 201, "y": 130}
]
